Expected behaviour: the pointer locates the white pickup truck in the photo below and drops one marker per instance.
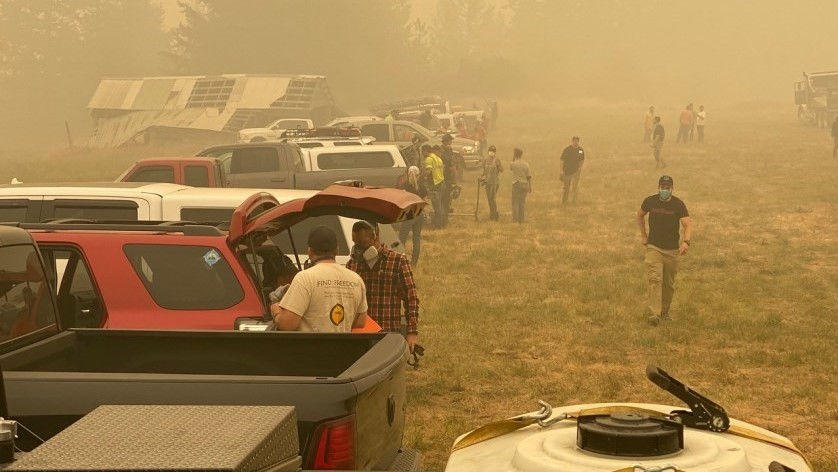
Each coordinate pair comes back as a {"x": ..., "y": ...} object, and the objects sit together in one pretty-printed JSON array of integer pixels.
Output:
[{"x": 273, "y": 130}]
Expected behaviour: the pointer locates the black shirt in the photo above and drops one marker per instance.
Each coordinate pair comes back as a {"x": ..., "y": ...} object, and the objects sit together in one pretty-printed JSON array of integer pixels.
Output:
[
  {"x": 659, "y": 133},
  {"x": 664, "y": 220},
  {"x": 448, "y": 163},
  {"x": 571, "y": 158}
]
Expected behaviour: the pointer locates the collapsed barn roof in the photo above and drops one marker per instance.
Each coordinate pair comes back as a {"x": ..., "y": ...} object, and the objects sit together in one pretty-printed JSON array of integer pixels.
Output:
[{"x": 125, "y": 108}]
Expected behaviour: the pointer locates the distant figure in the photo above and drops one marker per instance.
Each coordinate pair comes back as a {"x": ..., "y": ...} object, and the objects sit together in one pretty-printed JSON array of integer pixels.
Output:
[
  {"x": 492, "y": 167},
  {"x": 649, "y": 125},
  {"x": 481, "y": 135},
  {"x": 425, "y": 119},
  {"x": 414, "y": 185},
  {"x": 699, "y": 123},
  {"x": 413, "y": 153},
  {"x": 835, "y": 137},
  {"x": 686, "y": 122},
  {"x": 658, "y": 135},
  {"x": 521, "y": 185},
  {"x": 573, "y": 157},
  {"x": 667, "y": 215},
  {"x": 449, "y": 160},
  {"x": 435, "y": 178}
]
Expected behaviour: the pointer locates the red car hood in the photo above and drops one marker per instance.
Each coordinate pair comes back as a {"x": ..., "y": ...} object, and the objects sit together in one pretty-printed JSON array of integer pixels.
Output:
[{"x": 262, "y": 213}]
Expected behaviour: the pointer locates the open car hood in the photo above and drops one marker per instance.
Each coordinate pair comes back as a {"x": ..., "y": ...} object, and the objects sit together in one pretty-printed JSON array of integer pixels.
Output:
[{"x": 262, "y": 213}]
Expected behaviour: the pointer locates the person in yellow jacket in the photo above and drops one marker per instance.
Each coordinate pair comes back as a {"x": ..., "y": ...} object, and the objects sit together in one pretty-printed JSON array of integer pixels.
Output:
[{"x": 434, "y": 174}]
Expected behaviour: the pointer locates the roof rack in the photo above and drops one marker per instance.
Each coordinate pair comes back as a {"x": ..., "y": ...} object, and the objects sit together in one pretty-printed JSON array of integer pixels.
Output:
[
  {"x": 323, "y": 132},
  {"x": 189, "y": 228}
]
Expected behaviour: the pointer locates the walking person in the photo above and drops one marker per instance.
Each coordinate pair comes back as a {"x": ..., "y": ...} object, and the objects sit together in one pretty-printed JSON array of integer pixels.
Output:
[
  {"x": 699, "y": 123},
  {"x": 835, "y": 137},
  {"x": 413, "y": 185},
  {"x": 435, "y": 178},
  {"x": 658, "y": 135},
  {"x": 685, "y": 121},
  {"x": 667, "y": 215},
  {"x": 649, "y": 125},
  {"x": 521, "y": 185},
  {"x": 573, "y": 157},
  {"x": 390, "y": 287},
  {"x": 492, "y": 167},
  {"x": 449, "y": 171}
]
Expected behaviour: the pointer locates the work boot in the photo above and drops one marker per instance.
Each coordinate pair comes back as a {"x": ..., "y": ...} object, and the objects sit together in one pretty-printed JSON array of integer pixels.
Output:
[
  {"x": 665, "y": 316},
  {"x": 654, "y": 320}
]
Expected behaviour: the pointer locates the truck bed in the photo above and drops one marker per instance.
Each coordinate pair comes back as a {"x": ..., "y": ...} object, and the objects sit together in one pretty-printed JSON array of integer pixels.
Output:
[{"x": 52, "y": 383}]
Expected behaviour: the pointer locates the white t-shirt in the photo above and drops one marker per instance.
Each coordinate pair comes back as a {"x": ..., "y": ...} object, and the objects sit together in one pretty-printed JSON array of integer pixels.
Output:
[
  {"x": 699, "y": 118},
  {"x": 328, "y": 297}
]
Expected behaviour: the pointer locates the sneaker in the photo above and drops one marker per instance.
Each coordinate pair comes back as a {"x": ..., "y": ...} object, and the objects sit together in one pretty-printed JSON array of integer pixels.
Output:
[{"x": 654, "y": 320}]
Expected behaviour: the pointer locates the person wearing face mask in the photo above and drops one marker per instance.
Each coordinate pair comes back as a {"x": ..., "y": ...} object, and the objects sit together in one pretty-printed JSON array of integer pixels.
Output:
[
  {"x": 667, "y": 215},
  {"x": 391, "y": 289},
  {"x": 492, "y": 167}
]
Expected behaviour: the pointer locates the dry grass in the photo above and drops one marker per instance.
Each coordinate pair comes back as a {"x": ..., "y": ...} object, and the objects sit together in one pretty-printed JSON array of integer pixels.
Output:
[{"x": 553, "y": 309}]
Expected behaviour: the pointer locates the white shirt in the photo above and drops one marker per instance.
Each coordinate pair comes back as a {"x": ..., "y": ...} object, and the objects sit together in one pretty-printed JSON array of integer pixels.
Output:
[
  {"x": 699, "y": 118},
  {"x": 328, "y": 297}
]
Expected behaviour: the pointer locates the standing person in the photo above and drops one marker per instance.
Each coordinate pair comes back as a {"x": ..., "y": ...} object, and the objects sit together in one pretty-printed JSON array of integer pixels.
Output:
[
  {"x": 413, "y": 185},
  {"x": 435, "y": 177},
  {"x": 686, "y": 122},
  {"x": 699, "y": 122},
  {"x": 492, "y": 167},
  {"x": 658, "y": 136},
  {"x": 449, "y": 162},
  {"x": 391, "y": 290},
  {"x": 573, "y": 157},
  {"x": 521, "y": 185},
  {"x": 481, "y": 134},
  {"x": 649, "y": 125},
  {"x": 326, "y": 298},
  {"x": 667, "y": 214},
  {"x": 835, "y": 137}
]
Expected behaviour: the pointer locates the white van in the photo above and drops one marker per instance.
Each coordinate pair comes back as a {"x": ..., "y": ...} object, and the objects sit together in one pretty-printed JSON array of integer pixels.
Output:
[{"x": 136, "y": 201}]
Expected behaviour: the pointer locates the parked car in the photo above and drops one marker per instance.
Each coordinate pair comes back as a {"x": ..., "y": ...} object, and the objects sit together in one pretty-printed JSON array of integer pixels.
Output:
[
  {"x": 273, "y": 130},
  {"x": 348, "y": 389},
  {"x": 31, "y": 203},
  {"x": 400, "y": 133}
]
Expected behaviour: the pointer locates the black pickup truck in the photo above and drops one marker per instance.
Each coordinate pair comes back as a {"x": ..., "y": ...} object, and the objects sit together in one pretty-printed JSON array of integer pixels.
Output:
[{"x": 348, "y": 390}]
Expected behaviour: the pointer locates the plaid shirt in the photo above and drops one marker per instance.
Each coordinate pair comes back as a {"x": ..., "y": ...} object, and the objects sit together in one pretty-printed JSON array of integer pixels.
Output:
[{"x": 390, "y": 285}]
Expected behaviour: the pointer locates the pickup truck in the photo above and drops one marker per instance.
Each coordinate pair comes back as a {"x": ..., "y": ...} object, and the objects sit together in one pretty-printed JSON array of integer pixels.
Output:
[
  {"x": 273, "y": 130},
  {"x": 348, "y": 389},
  {"x": 145, "y": 275},
  {"x": 273, "y": 165}
]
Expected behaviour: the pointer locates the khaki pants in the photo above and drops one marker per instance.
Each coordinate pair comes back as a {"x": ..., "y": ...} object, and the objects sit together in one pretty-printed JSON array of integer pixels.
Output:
[{"x": 661, "y": 268}]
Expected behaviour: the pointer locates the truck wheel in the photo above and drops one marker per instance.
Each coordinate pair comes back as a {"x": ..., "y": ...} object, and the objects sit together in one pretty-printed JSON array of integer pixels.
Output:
[{"x": 258, "y": 139}]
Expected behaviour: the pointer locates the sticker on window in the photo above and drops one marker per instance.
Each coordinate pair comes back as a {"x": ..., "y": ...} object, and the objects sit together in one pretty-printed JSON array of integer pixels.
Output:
[{"x": 212, "y": 257}]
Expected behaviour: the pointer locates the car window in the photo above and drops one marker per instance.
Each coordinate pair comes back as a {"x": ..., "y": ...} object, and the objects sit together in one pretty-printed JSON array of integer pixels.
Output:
[
  {"x": 348, "y": 143},
  {"x": 256, "y": 159},
  {"x": 185, "y": 277},
  {"x": 196, "y": 176},
  {"x": 292, "y": 124},
  {"x": 13, "y": 210},
  {"x": 354, "y": 160},
  {"x": 164, "y": 174},
  {"x": 301, "y": 230},
  {"x": 113, "y": 210},
  {"x": 25, "y": 298},
  {"x": 379, "y": 131},
  {"x": 79, "y": 301},
  {"x": 403, "y": 132}
]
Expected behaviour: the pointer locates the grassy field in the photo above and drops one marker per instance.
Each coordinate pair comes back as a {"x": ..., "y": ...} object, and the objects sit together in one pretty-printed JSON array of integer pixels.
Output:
[{"x": 554, "y": 309}]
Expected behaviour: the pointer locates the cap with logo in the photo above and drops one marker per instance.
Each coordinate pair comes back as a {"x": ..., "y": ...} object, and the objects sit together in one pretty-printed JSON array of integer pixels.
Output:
[
  {"x": 364, "y": 224},
  {"x": 665, "y": 180}
]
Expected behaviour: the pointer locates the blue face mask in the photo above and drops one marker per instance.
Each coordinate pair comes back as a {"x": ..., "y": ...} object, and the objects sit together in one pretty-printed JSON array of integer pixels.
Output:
[{"x": 665, "y": 193}]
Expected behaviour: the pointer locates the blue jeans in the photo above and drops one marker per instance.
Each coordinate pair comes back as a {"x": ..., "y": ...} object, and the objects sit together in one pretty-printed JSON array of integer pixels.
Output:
[
  {"x": 415, "y": 226},
  {"x": 519, "y": 200}
]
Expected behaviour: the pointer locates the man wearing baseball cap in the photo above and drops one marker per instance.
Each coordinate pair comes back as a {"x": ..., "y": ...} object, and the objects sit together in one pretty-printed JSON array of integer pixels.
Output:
[
  {"x": 326, "y": 298},
  {"x": 667, "y": 215}
]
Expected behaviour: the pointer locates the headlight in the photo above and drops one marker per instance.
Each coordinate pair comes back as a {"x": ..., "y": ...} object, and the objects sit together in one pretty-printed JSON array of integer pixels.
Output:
[{"x": 468, "y": 149}]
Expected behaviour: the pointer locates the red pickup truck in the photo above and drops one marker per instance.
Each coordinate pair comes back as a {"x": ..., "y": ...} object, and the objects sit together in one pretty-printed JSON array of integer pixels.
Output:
[{"x": 151, "y": 275}]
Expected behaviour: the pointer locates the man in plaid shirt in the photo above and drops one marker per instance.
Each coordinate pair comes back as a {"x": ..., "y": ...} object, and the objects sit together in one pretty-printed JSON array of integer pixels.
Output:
[{"x": 389, "y": 280}]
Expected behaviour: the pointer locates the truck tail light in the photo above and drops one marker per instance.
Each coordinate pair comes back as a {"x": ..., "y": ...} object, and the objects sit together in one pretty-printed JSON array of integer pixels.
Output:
[{"x": 334, "y": 447}]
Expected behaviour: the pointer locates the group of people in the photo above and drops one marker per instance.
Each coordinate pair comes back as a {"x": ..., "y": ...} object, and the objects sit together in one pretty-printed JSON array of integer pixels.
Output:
[
  {"x": 328, "y": 297},
  {"x": 689, "y": 121}
]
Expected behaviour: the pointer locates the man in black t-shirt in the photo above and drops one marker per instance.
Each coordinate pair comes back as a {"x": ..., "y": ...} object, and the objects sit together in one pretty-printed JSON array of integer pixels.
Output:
[
  {"x": 573, "y": 157},
  {"x": 667, "y": 214}
]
